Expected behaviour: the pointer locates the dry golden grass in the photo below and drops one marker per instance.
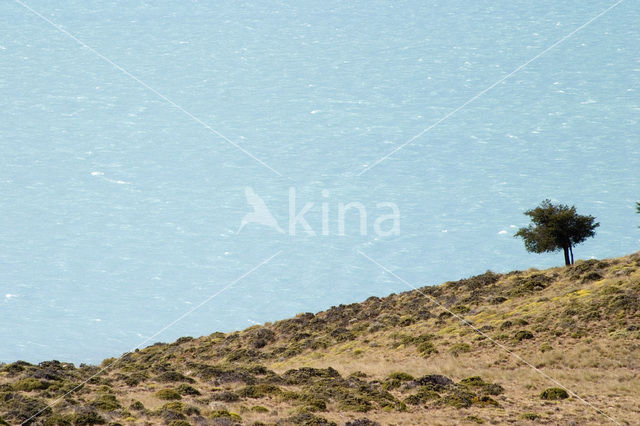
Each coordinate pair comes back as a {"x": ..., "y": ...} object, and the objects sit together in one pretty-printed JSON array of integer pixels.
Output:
[{"x": 585, "y": 335}]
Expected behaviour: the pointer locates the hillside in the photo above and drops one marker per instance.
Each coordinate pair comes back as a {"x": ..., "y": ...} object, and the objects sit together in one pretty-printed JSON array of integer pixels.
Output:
[{"x": 402, "y": 359}]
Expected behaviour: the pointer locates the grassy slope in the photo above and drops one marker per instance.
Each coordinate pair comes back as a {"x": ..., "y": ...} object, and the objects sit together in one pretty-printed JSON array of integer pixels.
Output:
[{"x": 579, "y": 325}]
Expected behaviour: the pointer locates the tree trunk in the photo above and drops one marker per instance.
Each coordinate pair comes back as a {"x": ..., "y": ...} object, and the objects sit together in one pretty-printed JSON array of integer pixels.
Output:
[
  {"x": 571, "y": 251},
  {"x": 567, "y": 261}
]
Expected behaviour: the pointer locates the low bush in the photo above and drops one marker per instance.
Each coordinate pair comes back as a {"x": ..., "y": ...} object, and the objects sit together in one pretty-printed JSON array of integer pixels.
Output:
[
  {"x": 552, "y": 394},
  {"x": 459, "y": 348},
  {"x": 106, "y": 402},
  {"x": 30, "y": 384},
  {"x": 168, "y": 394},
  {"x": 522, "y": 335},
  {"x": 224, "y": 414}
]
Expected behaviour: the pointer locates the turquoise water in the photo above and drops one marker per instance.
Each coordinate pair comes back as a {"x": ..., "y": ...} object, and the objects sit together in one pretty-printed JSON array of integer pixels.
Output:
[{"x": 120, "y": 210}]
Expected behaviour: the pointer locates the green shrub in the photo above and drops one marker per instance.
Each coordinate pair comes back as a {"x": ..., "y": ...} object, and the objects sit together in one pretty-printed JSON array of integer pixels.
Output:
[
  {"x": 259, "y": 409},
  {"x": 224, "y": 414},
  {"x": 473, "y": 381},
  {"x": 30, "y": 384},
  {"x": 85, "y": 417},
  {"x": 403, "y": 377},
  {"x": 179, "y": 423},
  {"x": 173, "y": 376},
  {"x": 259, "y": 391},
  {"x": 424, "y": 394},
  {"x": 485, "y": 400},
  {"x": 168, "y": 394},
  {"x": 176, "y": 406},
  {"x": 522, "y": 335},
  {"x": 137, "y": 406},
  {"x": 188, "y": 390},
  {"x": 530, "y": 416},
  {"x": 554, "y": 394},
  {"x": 458, "y": 399},
  {"x": 426, "y": 349},
  {"x": 506, "y": 324},
  {"x": 226, "y": 396},
  {"x": 459, "y": 348},
  {"x": 545, "y": 347},
  {"x": 106, "y": 402},
  {"x": 460, "y": 309}
]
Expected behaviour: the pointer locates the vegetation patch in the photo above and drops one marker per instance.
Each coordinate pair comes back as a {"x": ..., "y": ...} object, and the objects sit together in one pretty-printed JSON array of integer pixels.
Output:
[
  {"x": 168, "y": 394},
  {"x": 523, "y": 335},
  {"x": 224, "y": 414},
  {"x": 553, "y": 394}
]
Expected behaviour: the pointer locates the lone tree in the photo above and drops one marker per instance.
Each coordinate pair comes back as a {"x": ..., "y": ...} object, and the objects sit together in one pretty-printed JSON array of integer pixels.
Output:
[{"x": 556, "y": 227}]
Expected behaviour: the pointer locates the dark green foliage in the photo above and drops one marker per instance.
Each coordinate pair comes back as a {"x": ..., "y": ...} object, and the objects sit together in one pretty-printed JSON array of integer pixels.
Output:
[
  {"x": 137, "y": 406},
  {"x": 473, "y": 381},
  {"x": 106, "y": 402},
  {"x": 496, "y": 300},
  {"x": 168, "y": 394},
  {"x": 523, "y": 335},
  {"x": 529, "y": 284},
  {"x": 362, "y": 422},
  {"x": 424, "y": 394},
  {"x": 479, "y": 385},
  {"x": 556, "y": 227},
  {"x": 307, "y": 374},
  {"x": 226, "y": 396},
  {"x": 627, "y": 302},
  {"x": 530, "y": 416},
  {"x": 422, "y": 342},
  {"x": 485, "y": 400},
  {"x": 135, "y": 378},
  {"x": 506, "y": 324},
  {"x": 176, "y": 406},
  {"x": 224, "y": 414},
  {"x": 354, "y": 403},
  {"x": 82, "y": 417},
  {"x": 15, "y": 367},
  {"x": 18, "y": 408},
  {"x": 223, "y": 373},
  {"x": 435, "y": 382},
  {"x": 173, "y": 376},
  {"x": 426, "y": 349},
  {"x": 478, "y": 281},
  {"x": 259, "y": 391},
  {"x": 554, "y": 394},
  {"x": 313, "y": 403},
  {"x": 460, "y": 309},
  {"x": 30, "y": 384},
  {"x": 87, "y": 417},
  {"x": 458, "y": 398},
  {"x": 308, "y": 419},
  {"x": 184, "y": 389},
  {"x": 403, "y": 377},
  {"x": 459, "y": 348},
  {"x": 260, "y": 337},
  {"x": 244, "y": 355}
]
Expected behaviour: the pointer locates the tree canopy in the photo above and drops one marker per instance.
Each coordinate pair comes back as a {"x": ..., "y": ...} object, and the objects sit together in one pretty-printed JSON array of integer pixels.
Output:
[{"x": 556, "y": 227}]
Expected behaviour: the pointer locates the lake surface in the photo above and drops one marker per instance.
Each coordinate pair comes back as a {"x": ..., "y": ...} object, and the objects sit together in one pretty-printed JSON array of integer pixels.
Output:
[{"x": 125, "y": 162}]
